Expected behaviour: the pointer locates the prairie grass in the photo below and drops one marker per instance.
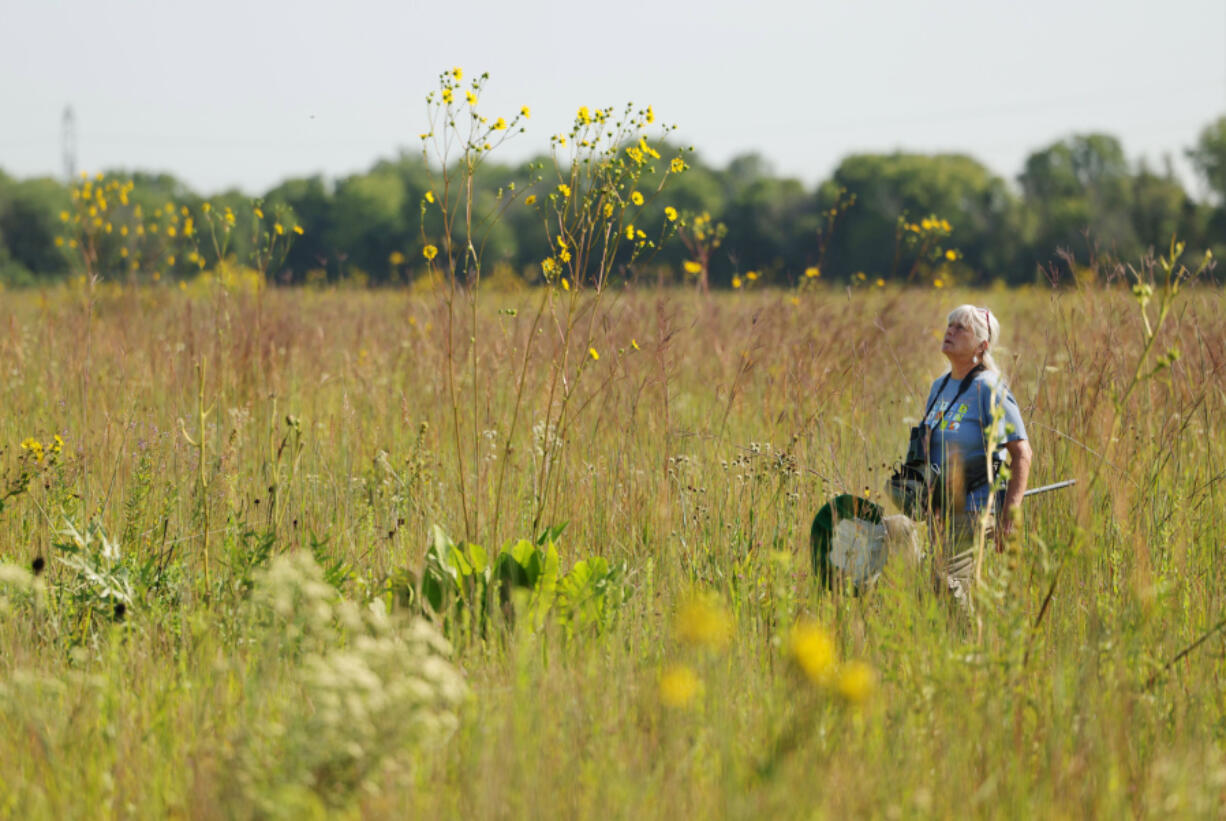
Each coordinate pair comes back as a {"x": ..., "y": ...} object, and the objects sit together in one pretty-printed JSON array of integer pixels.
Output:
[{"x": 702, "y": 441}]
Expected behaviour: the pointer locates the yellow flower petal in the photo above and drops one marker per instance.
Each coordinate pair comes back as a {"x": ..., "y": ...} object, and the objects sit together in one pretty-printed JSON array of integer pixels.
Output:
[
  {"x": 678, "y": 686},
  {"x": 812, "y": 648},
  {"x": 856, "y": 682}
]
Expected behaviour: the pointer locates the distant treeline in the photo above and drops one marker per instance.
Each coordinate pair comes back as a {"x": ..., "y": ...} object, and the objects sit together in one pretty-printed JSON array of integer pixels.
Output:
[{"x": 1081, "y": 194}]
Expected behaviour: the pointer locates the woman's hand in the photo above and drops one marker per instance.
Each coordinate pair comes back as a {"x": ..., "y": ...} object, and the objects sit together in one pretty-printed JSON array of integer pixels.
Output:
[{"x": 1006, "y": 521}]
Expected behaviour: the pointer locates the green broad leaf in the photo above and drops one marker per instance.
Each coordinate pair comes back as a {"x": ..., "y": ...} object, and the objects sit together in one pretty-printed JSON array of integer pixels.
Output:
[
  {"x": 551, "y": 533},
  {"x": 478, "y": 559},
  {"x": 440, "y": 541}
]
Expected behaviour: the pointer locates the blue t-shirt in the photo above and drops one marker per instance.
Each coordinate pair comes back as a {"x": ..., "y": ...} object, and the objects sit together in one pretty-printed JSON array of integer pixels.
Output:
[{"x": 958, "y": 432}]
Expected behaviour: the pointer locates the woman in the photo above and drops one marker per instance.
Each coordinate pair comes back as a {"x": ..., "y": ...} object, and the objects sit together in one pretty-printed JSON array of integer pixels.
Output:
[{"x": 957, "y": 430}]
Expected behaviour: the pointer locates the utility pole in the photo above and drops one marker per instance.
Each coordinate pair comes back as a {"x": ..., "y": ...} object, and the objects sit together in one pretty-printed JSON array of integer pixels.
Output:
[{"x": 68, "y": 144}]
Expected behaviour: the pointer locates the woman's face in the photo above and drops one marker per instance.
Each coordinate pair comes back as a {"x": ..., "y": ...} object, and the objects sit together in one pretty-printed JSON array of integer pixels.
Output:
[{"x": 960, "y": 342}]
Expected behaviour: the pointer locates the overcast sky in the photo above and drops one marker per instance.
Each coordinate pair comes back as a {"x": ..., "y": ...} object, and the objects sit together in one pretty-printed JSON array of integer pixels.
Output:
[{"x": 243, "y": 93}]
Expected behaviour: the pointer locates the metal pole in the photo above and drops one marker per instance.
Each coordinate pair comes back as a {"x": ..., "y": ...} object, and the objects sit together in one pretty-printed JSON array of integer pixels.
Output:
[{"x": 1046, "y": 488}]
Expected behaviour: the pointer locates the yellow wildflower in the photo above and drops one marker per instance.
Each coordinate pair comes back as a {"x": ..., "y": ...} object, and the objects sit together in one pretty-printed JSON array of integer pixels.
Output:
[
  {"x": 259, "y": 213},
  {"x": 951, "y": 255},
  {"x": 395, "y": 258},
  {"x": 565, "y": 284},
  {"x": 63, "y": 216},
  {"x": 499, "y": 124},
  {"x": 856, "y": 682},
  {"x": 677, "y": 165},
  {"x": 298, "y": 230},
  {"x": 636, "y": 198},
  {"x": 170, "y": 260},
  {"x": 564, "y": 189},
  {"x": 429, "y": 252},
  {"x": 703, "y": 621},
  {"x": 171, "y": 231},
  {"x": 670, "y": 213},
  {"x": 938, "y": 283},
  {"x": 447, "y": 96},
  {"x": 608, "y": 210},
  {"x": 34, "y": 446},
  {"x": 692, "y": 267},
  {"x": 189, "y": 227},
  {"x": 813, "y": 272},
  {"x": 678, "y": 686},
  {"x": 736, "y": 281},
  {"x": 945, "y": 226},
  {"x": 651, "y": 115},
  {"x": 592, "y": 353},
  {"x": 530, "y": 199},
  {"x": 279, "y": 228},
  {"x": 630, "y": 231},
  {"x": 59, "y": 242},
  {"x": 526, "y": 112},
  {"x": 584, "y": 116},
  {"x": 206, "y": 207},
  {"x": 470, "y": 97},
  {"x": 457, "y": 73},
  {"x": 751, "y": 275},
  {"x": 812, "y": 648},
  {"x": 549, "y": 266},
  {"x": 429, "y": 196},
  {"x": 880, "y": 282},
  {"x": 634, "y": 344}
]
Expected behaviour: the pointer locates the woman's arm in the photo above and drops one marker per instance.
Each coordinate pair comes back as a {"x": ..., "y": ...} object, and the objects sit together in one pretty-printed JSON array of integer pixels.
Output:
[{"x": 1019, "y": 475}]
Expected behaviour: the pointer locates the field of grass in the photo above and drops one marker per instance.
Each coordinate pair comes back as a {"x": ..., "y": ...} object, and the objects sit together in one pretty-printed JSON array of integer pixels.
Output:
[{"x": 180, "y": 654}]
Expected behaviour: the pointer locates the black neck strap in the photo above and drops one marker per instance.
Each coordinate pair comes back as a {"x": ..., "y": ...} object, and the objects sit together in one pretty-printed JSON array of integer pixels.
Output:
[{"x": 966, "y": 383}]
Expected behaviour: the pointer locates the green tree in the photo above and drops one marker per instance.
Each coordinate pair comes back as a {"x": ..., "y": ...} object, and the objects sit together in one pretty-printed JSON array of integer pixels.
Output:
[
  {"x": 1161, "y": 209},
  {"x": 29, "y": 225},
  {"x": 1078, "y": 190},
  {"x": 983, "y": 212},
  {"x": 1208, "y": 156},
  {"x": 368, "y": 221},
  {"x": 770, "y": 222},
  {"x": 311, "y": 201}
]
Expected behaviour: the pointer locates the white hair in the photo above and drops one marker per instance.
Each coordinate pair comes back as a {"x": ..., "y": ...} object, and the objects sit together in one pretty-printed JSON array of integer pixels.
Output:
[{"x": 984, "y": 325}]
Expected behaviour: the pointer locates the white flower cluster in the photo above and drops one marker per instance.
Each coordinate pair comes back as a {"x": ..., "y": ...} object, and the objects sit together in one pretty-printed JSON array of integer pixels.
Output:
[
  {"x": 19, "y": 589},
  {"x": 374, "y": 685}
]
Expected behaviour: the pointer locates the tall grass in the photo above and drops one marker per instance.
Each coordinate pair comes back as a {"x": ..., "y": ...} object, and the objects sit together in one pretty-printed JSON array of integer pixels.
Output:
[{"x": 698, "y": 448}]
